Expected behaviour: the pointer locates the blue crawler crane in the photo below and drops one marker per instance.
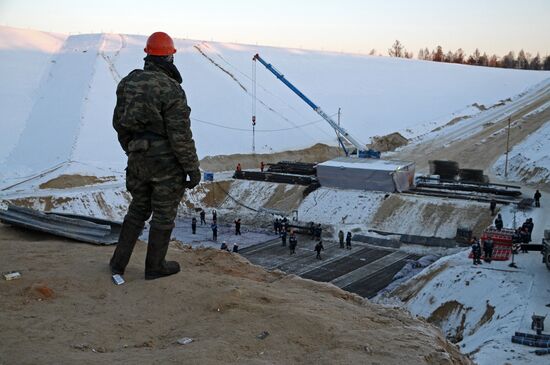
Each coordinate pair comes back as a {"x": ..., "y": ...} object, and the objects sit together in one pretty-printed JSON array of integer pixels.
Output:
[{"x": 361, "y": 150}]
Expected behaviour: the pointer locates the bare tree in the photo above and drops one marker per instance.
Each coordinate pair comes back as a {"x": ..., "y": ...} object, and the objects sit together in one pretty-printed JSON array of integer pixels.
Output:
[
  {"x": 522, "y": 61},
  {"x": 437, "y": 56},
  {"x": 546, "y": 63},
  {"x": 397, "y": 50},
  {"x": 535, "y": 63},
  {"x": 493, "y": 61},
  {"x": 458, "y": 56},
  {"x": 427, "y": 54},
  {"x": 509, "y": 61}
]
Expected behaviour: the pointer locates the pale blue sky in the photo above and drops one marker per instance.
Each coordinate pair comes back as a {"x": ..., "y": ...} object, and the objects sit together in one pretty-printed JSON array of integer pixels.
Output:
[{"x": 494, "y": 26}]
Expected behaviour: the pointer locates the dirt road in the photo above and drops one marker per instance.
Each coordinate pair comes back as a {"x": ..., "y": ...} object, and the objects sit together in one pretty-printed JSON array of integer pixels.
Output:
[
  {"x": 486, "y": 135},
  {"x": 65, "y": 310}
]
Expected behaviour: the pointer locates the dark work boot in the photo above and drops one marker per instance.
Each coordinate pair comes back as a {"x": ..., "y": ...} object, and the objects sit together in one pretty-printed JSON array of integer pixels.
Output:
[
  {"x": 155, "y": 264},
  {"x": 129, "y": 234}
]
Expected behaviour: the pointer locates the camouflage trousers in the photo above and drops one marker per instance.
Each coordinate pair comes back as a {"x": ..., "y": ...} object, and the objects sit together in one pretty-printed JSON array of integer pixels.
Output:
[{"x": 157, "y": 184}]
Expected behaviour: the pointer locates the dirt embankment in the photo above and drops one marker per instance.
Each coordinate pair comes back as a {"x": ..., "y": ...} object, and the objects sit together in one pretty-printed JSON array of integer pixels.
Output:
[
  {"x": 74, "y": 181},
  {"x": 65, "y": 310},
  {"x": 481, "y": 149},
  {"x": 316, "y": 153}
]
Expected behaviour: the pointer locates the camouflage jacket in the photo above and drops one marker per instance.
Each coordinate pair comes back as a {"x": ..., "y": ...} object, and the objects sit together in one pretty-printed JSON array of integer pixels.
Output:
[{"x": 150, "y": 101}]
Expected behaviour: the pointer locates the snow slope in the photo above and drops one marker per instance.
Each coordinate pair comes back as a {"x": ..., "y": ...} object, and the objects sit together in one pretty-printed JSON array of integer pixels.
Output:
[
  {"x": 529, "y": 161},
  {"x": 25, "y": 59},
  {"x": 482, "y": 306},
  {"x": 67, "y": 116}
]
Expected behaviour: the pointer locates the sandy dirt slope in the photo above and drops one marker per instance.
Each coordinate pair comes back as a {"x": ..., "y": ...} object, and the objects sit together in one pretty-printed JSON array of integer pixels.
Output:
[
  {"x": 316, "y": 153},
  {"x": 480, "y": 150},
  {"x": 65, "y": 310}
]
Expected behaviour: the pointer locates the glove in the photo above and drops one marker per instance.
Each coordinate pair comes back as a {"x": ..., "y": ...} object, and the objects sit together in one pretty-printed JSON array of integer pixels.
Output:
[{"x": 194, "y": 179}]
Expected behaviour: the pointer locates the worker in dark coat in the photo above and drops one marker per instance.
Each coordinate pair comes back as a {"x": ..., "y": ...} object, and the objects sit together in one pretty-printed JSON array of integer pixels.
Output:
[
  {"x": 537, "y": 198},
  {"x": 194, "y": 225},
  {"x": 312, "y": 229},
  {"x": 224, "y": 246},
  {"x": 203, "y": 217},
  {"x": 348, "y": 241},
  {"x": 292, "y": 243},
  {"x": 493, "y": 206},
  {"x": 214, "y": 216},
  {"x": 151, "y": 118},
  {"x": 236, "y": 247},
  {"x": 214, "y": 228},
  {"x": 341, "y": 238},
  {"x": 488, "y": 250},
  {"x": 498, "y": 223},
  {"x": 318, "y": 231},
  {"x": 238, "y": 227},
  {"x": 283, "y": 238},
  {"x": 262, "y": 166},
  {"x": 318, "y": 248},
  {"x": 530, "y": 227},
  {"x": 276, "y": 225}
]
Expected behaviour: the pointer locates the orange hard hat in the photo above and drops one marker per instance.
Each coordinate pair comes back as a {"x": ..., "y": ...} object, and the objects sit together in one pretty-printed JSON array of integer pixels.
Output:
[{"x": 160, "y": 44}]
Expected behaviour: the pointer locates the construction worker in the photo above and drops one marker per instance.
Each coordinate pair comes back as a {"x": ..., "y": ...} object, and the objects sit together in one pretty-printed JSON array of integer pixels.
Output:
[
  {"x": 194, "y": 225},
  {"x": 214, "y": 216},
  {"x": 318, "y": 231},
  {"x": 318, "y": 248},
  {"x": 292, "y": 242},
  {"x": 214, "y": 228},
  {"x": 283, "y": 238},
  {"x": 224, "y": 246},
  {"x": 238, "y": 168},
  {"x": 151, "y": 118},
  {"x": 235, "y": 247},
  {"x": 537, "y": 198},
  {"x": 341, "y": 238},
  {"x": 348, "y": 241},
  {"x": 499, "y": 223},
  {"x": 488, "y": 250},
  {"x": 262, "y": 166},
  {"x": 276, "y": 225},
  {"x": 238, "y": 227},
  {"x": 203, "y": 217},
  {"x": 493, "y": 206}
]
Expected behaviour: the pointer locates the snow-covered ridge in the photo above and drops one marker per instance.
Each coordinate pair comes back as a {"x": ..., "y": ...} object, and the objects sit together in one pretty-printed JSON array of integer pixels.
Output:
[{"x": 67, "y": 115}]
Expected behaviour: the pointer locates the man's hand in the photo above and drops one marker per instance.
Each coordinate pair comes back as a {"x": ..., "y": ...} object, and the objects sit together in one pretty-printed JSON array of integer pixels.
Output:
[{"x": 194, "y": 179}]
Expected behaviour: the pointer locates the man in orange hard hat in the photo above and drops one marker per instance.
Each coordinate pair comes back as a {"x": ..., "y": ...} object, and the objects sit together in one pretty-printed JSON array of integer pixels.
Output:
[{"x": 151, "y": 118}]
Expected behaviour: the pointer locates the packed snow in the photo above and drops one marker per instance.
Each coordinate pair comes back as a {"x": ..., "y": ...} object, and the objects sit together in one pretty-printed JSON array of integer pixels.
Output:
[
  {"x": 67, "y": 115},
  {"x": 528, "y": 161},
  {"x": 481, "y": 307}
]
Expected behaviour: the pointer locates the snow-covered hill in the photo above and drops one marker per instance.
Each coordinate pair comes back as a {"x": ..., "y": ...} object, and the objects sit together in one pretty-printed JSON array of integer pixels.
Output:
[{"x": 58, "y": 93}]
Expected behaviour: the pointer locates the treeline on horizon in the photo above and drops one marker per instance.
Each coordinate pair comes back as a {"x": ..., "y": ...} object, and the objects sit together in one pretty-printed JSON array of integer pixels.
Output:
[{"x": 523, "y": 61}]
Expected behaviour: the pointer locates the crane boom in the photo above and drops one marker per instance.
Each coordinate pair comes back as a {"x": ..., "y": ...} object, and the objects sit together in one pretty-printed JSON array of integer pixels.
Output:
[{"x": 361, "y": 148}]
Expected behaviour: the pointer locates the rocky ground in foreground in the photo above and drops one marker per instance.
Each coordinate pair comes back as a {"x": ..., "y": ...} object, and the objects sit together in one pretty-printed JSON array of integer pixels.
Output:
[{"x": 65, "y": 309}]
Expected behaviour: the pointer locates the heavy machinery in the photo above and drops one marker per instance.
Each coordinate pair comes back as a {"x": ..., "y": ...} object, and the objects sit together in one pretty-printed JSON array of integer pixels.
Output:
[
  {"x": 361, "y": 150},
  {"x": 546, "y": 248}
]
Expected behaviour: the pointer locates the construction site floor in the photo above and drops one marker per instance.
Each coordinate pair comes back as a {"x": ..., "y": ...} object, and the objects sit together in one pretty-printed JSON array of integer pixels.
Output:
[{"x": 363, "y": 270}]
